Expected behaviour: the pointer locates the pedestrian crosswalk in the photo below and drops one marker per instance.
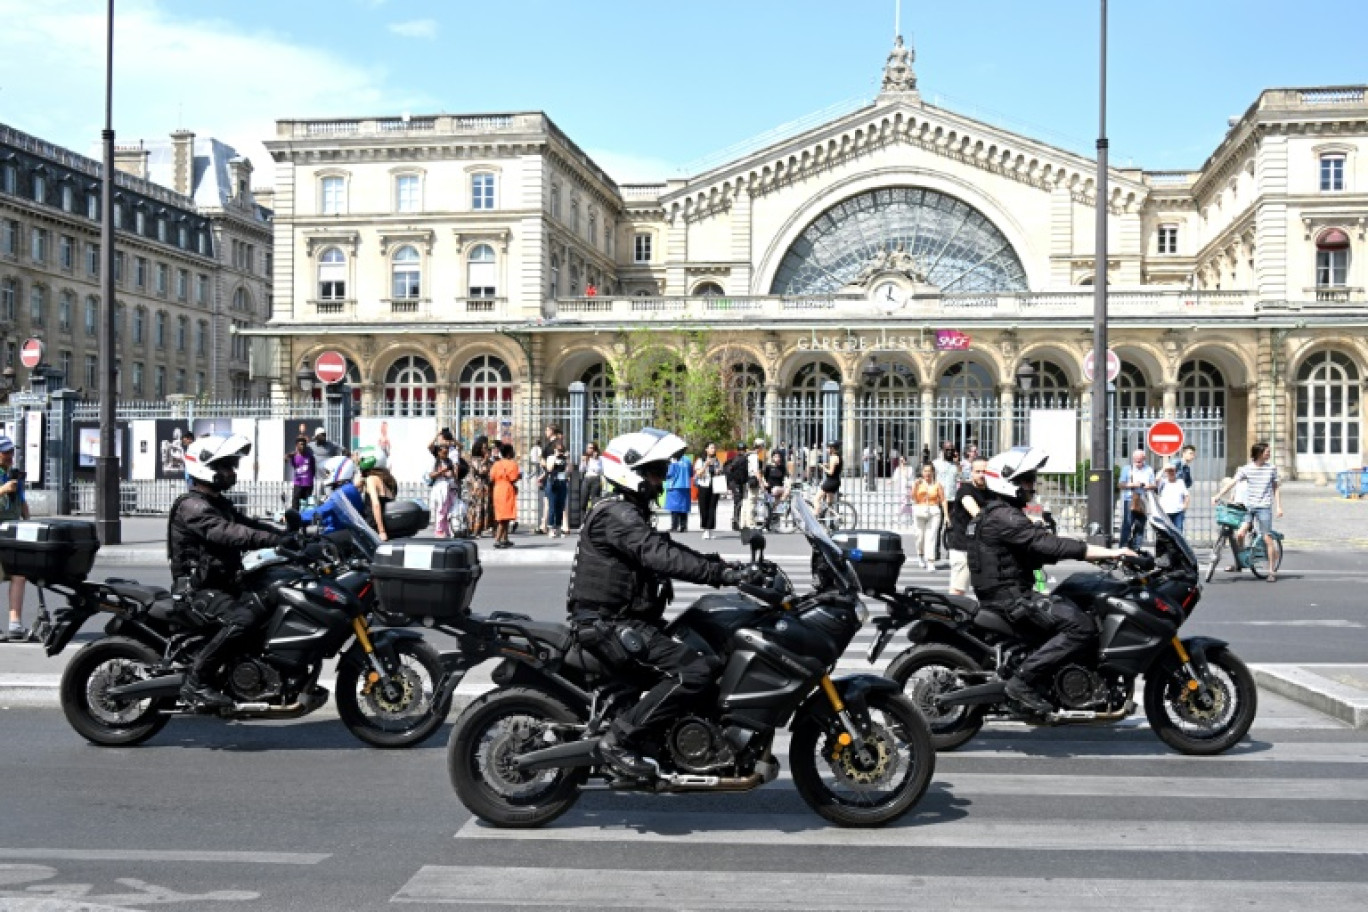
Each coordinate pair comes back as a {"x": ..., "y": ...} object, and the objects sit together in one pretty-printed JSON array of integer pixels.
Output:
[{"x": 1020, "y": 818}]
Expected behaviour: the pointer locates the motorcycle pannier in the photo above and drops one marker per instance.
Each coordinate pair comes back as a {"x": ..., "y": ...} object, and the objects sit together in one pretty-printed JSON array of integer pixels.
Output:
[
  {"x": 405, "y": 518},
  {"x": 427, "y": 577},
  {"x": 876, "y": 556},
  {"x": 54, "y": 551}
]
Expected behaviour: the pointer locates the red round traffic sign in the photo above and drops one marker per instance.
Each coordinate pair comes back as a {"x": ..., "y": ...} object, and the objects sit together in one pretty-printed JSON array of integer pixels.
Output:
[
  {"x": 31, "y": 355},
  {"x": 1164, "y": 437},
  {"x": 330, "y": 367},
  {"x": 1113, "y": 365}
]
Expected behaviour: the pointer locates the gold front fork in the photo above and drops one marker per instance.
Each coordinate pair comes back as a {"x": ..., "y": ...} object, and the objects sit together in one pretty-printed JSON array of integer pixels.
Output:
[
  {"x": 363, "y": 637},
  {"x": 1192, "y": 683},
  {"x": 851, "y": 735}
]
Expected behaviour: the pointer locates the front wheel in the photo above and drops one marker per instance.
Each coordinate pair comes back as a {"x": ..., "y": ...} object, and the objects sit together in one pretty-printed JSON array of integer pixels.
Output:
[
  {"x": 931, "y": 671},
  {"x": 1215, "y": 557},
  {"x": 400, "y": 709},
  {"x": 872, "y": 786},
  {"x": 488, "y": 736},
  {"x": 1256, "y": 557},
  {"x": 1190, "y": 725},
  {"x": 107, "y": 720},
  {"x": 840, "y": 516}
]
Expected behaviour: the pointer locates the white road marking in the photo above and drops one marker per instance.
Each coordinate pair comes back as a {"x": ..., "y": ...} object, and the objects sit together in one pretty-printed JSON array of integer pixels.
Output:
[{"x": 174, "y": 855}]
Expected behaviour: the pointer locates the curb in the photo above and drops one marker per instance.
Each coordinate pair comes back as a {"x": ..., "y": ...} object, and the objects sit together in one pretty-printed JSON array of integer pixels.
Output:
[{"x": 1307, "y": 686}]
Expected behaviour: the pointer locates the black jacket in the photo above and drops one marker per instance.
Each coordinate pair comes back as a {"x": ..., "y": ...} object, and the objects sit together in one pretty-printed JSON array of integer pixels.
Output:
[
  {"x": 1006, "y": 549},
  {"x": 623, "y": 565},
  {"x": 957, "y": 536},
  {"x": 206, "y": 538}
]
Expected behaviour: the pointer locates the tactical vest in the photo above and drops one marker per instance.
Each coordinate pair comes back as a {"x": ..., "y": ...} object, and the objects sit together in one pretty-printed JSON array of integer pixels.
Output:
[
  {"x": 600, "y": 579},
  {"x": 999, "y": 578},
  {"x": 194, "y": 560}
]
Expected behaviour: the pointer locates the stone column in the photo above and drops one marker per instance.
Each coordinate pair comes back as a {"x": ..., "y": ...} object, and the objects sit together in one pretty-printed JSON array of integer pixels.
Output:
[
  {"x": 1170, "y": 391},
  {"x": 739, "y": 282},
  {"x": 1007, "y": 406},
  {"x": 928, "y": 424},
  {"x": 772, "y": 413}
]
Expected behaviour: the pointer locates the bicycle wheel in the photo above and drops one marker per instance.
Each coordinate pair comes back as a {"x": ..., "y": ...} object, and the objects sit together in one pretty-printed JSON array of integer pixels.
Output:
[
  {"x": 842, "y": 517},
  {"x": 1216, "y": 555},
  {"x": 1256, "y": 556}
]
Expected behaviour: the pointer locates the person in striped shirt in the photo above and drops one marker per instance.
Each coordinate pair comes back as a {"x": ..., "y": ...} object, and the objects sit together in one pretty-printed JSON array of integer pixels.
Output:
[{"x": 1263, "y": 498}]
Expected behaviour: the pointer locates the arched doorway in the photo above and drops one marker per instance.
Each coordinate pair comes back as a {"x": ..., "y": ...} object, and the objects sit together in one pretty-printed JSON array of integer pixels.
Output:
[
  {"x": 485, "y": 390},
  {"x": 802, "y": 421},
  {"x": 410, "y": 388},
  {"x": 1329, "y": 413},
  {"x": 1201, "y": 392},
  {"x": 889, "y": 418},
  {"x": 966, "y": 409}
]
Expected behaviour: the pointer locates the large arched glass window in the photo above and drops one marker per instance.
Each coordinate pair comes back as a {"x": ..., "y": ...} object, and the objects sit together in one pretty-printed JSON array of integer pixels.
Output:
[
  {"x": 904, "y": 229},
  {"x": 891, "y": 423},
  {"x": 332, "y": 275},
  {"x": 1049, "y": 386},
  {"x": 483, "y": 272},
  {"x": 746, "y": 382},
  {"x": 407, "y": 269},
  {"x": 802, "y": 419},
  {"x": 486, "y": 392},
  {"x": 410, "y": 388},
  {"x": 966, "y": 409},
  {"x": 708, "y": 290},
  {"x": 1201, "y": 385},
  {"x": 1132, "y": 391},
  {"x": 1328, "y": 410}
]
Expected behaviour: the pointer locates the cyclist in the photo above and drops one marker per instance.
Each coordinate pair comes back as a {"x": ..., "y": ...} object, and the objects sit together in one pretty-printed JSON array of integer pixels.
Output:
[
  {"x": 1263, "y": 498},
  {"x": 830, "y": 490}
]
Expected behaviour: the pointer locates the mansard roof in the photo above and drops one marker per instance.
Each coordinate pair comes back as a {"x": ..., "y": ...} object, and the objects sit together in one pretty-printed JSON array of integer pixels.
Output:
[{"x": 900, "y": 118}]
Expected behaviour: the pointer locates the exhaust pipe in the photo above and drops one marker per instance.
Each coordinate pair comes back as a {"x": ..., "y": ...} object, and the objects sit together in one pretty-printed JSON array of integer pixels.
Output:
[
  {"x": 1074, "y": 716},
  {"x": 766, "y": 771},
  {"x": 992, "y": 692}
]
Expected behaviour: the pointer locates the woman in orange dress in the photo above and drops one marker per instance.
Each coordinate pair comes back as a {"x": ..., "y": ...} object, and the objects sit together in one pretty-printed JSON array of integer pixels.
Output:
[{"x": 505, "y": 474}]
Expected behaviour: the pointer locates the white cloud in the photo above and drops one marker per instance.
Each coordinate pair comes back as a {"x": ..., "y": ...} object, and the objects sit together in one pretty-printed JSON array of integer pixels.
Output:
[
  {"x": 626, "y": 168},
  {"x": 211, "y": 76},
  {"x": 415, "y": 28}
]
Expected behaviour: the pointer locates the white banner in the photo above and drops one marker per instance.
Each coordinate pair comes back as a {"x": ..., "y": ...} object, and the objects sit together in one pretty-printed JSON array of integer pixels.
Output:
[{"x": 1056, "y": 432}]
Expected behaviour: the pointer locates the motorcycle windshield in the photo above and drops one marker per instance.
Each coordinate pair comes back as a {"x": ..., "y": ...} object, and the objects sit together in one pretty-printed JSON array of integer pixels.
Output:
[
  {"x": 821, "y": 543},
  {"x": 353, "y": 522},
  {"x": 1162, "y": 525}
]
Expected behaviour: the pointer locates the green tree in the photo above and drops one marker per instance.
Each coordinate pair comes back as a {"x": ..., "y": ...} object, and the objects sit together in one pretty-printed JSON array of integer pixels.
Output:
[{"x": 690, "y": 391}]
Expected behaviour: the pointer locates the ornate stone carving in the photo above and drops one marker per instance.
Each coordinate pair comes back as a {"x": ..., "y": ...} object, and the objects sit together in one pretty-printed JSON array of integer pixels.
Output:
[
  {"x": 894, "y": 260},
  {"x": 898, "y": 74},
  {"x": 1009, "y": 343}
]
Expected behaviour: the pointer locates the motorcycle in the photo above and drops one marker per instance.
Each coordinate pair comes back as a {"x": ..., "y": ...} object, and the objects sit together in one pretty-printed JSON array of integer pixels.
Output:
[
  {"x": 1199, "y": 697},
  {"x": 861, "y": 752},
  {"x": 121, "y": 689}
]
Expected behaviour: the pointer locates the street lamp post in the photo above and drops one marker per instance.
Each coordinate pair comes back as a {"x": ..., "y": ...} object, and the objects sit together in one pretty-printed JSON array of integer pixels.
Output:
[
  {"x": 1100, "y": 475},
  {"x": 106, "y": 464}
]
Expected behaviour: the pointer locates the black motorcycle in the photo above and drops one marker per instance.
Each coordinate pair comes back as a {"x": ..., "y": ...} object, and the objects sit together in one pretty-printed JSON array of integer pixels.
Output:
[
  {"x": 861, "y": 752},
  {"x": 121, "y": 689},
  {"x": 1199, "y": 697}
]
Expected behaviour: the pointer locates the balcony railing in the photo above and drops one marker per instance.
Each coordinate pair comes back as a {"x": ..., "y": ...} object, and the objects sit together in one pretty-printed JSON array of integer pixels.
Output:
[{"x": 1336, "y": 294}]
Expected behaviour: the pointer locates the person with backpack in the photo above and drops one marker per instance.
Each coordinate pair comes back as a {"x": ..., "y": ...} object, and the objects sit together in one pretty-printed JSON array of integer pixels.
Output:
[{"x": 737, "y": 471}]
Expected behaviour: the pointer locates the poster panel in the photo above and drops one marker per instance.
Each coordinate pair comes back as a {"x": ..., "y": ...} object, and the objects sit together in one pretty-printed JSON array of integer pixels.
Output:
[
  {"x": 88, "y": 446},
  {"x": 170, "y": 461},
  {"x": 143, "y": 461},
  {"x": 1056, "y": 430},
  {"x": 35, "y": 445},
  {"x": 403, "y": 440},
  {"x": 216, "y": 427}
]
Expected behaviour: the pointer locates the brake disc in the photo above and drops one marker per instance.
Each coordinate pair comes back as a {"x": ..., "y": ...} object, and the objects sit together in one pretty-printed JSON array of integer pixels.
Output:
[
  {"x": 877, "y": 761},
  {"x": 1190, "y": 711}
]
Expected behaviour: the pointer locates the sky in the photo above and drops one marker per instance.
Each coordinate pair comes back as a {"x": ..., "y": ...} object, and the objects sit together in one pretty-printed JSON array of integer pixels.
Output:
[{"x": 653, "y": 90}]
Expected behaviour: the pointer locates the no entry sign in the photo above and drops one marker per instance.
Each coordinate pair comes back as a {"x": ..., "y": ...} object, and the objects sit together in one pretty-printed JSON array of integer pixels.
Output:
[
  {"x": 31, "y": 355},
  {"x": 1113, "y": 365},
  {"x": 330, "y": 367},
  {"x": 1164, "y": 437}
]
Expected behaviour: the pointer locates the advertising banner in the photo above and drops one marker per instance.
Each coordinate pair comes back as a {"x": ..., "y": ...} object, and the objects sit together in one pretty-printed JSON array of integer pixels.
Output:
[{"x": 404, "y": 442}]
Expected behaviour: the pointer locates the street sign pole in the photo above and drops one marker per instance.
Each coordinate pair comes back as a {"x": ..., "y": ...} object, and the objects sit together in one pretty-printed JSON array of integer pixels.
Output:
[
  {"x": 106, "y": 464},
  {"x": 1100, "y": 474}
]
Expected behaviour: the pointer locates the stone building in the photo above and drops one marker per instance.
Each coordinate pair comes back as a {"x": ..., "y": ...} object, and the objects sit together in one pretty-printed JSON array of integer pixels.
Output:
[
  {"x": 192, "y": 259},
  {"x": 912, "y": 255}
]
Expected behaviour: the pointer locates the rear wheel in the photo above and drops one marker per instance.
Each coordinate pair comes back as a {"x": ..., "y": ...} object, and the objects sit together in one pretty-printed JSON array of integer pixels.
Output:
[
  {"x": 488, "y": 736},
  {"x": 839, "y": 516},
  {"x": 928, "y": 672},
  {"x": 1192, "y": 725},
  {"x": 107, "y": 720},
  {"x": 1215, "y": 556},
  {"x": 872, "y": 786},
  {"x": 400, "y": 710},
  {"x": 1256, "y": 557}
]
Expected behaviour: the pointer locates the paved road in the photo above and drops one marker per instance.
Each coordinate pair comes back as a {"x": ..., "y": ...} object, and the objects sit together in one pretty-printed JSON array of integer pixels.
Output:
[{"x": 296, "y": 816}]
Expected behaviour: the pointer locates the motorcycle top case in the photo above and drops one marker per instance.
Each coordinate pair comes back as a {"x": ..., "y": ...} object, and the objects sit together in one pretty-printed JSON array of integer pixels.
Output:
[
  {"x": 58, "y": 551},
  {"x": 432, "y": 577},
  {"x": 876, "y": 556},
  {"x": 405, "y": 518}
]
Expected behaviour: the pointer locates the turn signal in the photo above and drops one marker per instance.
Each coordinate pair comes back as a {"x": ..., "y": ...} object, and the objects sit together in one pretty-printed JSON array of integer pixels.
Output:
[{"x": 843, "y": 739}]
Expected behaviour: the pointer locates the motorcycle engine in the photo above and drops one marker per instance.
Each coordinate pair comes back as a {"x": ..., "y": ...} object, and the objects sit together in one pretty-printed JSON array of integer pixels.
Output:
[
  {"x": 252, "y": 680},
  {"x": 1079, "y": 688},
  {"x": 696, "y": 746}
]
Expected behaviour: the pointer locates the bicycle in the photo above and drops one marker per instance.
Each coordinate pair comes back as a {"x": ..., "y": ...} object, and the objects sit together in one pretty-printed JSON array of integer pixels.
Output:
[
  {"x": 839, "y": 516},
  {"x": 1254, "y": 554}
]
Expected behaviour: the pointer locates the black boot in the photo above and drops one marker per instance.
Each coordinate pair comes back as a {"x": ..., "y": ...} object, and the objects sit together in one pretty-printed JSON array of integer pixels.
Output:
[
  {"x": 622, "y": 759},
  {"x": 194, "y": 691},
  {"x": 1022, "y": 692}
]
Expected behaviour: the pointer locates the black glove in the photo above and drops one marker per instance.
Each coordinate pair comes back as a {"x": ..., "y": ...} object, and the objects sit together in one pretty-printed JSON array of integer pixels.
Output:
[
  {"x": 291, "y": 542},
  {"x": 740, "y": 573}
]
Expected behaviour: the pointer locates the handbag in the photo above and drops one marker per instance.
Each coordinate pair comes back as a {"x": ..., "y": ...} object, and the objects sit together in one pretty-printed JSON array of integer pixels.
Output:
[
  {"x": 719, "y": 484},
  {"x": 1137, "y": 504}
]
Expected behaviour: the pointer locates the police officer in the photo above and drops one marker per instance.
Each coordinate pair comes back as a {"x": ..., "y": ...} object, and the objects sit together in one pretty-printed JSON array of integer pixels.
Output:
[
  {"x": 1006, "y": 549},
  {"x": 620, "y": 584},
  {"x": 206, "y": 538}
]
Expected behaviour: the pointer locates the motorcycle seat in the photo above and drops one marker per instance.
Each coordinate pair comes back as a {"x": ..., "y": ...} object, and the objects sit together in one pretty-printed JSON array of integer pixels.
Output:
[
  {"x": 557, "y": 636},
  {"x": 991, "y": 620},
  {"x": 145, "y": 596},
  {"x": 969, "y": 606}
]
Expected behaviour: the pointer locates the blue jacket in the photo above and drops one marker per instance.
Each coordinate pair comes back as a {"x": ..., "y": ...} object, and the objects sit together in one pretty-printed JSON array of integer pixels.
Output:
[{"x": 327, "y": 514}]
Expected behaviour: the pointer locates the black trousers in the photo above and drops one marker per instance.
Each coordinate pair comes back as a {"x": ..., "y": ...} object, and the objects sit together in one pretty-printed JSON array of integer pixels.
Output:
[
  {"x": 1074, "y": 631},
  {"x": 236, "y": 615},
  {"x": 738, "y": 493},
  {"x": 299, "y": 493},
  {"x": 707, "y": 507},
  {"x": 684, "y": 674}
]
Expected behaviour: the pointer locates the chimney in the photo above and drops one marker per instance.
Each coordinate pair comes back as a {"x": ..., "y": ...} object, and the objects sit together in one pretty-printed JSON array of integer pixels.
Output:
[
  {"x": 183, "y": 162},
  {"x": 240, "y": 173},
  {"x": 132, "y": 160}
]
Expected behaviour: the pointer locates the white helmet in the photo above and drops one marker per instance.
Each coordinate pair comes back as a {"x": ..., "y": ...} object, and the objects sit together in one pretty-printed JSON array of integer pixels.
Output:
[
  {"x": 1005, "y": 469},
  {"x": 338, "y": 471},
  {"x": 625, "y": 456},
  {"x": 214, "y": 460}
]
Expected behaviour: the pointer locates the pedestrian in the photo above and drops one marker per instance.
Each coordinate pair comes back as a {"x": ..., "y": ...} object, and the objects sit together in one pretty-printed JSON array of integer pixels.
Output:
[
  {"x": 830, "y": 490},
  {"x": 708, "y": 477},
  {"x": 478, "y": 489},
  {"x": 323, "y": 449},
  {"x": 867, "y": 467},
  {"x": 929, "y": 512},
  {"x": 378, "y": 487},
  {"x": 1173, "y": 496},
  {"x": 557, "y": 488},
  {"x": 967, "y": 505},
  {"x": 947, "y": 467},
  {"x": 755, "y": 479},
  {"x": 541, "y": 479},
  {"x": 503, "y": 476},
  {"x": 187, "y": 438},
  {"x": 591, "y": 479},
  {"x": 678, "y": 487},
  {"x": 442, "y": 477},
  {"x": 966, "y": 464},
  {"x": 1263, "y": 498},
  {"x": 737, "y": 471},
  {"x": 1136, "y": 478},
  {"x": 303, "y": 472},
  {"x": 13, "y": 505},
  {"x": 814, "y": 464}
]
